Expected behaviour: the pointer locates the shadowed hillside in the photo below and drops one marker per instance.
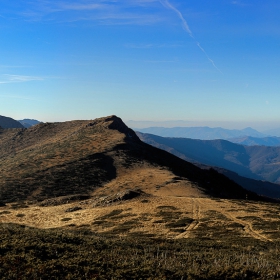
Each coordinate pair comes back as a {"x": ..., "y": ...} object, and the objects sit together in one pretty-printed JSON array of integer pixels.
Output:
[
  {"x": 255, "y": 162},
  {"x": 6, "y": 122},
  {"x": 96, "y": 157},
  {"x": 255, "y": 141}
]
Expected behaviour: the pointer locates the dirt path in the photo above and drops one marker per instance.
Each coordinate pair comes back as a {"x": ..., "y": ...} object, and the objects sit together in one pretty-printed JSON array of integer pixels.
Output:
[
  {"x": 197, "y": 211},
  {"x": 248, "y": 228},
  {"x": 196, "y": 215}
]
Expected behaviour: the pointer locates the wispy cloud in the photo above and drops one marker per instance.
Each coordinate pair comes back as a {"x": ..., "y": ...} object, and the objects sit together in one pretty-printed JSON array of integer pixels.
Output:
[
  {"x": 41, "y": 10},
  {"x": 186, "y": 27},
  {"x": 160, "y": 61},
  {"x": 8, "y": 79},
  {"x": 100, "y": 11},
  {"x": 79, "y": 6},
  {"x": 44, "y": 10},
  {"x": 3, "y": 66},
  {"x": 106, "y": 12},
  {"x": 151, "y": 46},
  {"x": 239, "y": 3},
  {"x": 17, "y": 97}
]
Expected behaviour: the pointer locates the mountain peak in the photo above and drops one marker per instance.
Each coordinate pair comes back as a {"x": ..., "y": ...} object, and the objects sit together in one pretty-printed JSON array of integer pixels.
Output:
[{"x": 115, "y": 123}]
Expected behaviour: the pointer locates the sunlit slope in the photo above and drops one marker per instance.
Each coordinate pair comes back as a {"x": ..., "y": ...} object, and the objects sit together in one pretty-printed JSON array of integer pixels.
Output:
[{"x": 161, "y": 216}]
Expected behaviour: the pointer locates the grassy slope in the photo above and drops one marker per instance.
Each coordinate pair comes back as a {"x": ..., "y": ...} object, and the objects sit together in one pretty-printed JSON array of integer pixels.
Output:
[
  {"x": 145, "y": 238},
  {"x": 53, "y": 254}
]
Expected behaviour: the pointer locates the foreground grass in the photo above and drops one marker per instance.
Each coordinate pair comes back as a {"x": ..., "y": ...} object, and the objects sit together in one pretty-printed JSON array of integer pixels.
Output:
[{"x": 28, "y": 253}]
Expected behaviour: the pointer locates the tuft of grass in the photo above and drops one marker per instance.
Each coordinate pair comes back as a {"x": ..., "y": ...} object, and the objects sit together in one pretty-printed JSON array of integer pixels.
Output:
[
  {"x": 5, "y": 212},
  {"x": 166, "y": 207},
  {"x": 103, "y": 223},
  {"x": 19, "y": 205},
  {"x": 66, "y": 219},
  {"x": 182, "y": 222},
  {"x": 112, "y": 214},
  {"x": 20, "y": 215}
]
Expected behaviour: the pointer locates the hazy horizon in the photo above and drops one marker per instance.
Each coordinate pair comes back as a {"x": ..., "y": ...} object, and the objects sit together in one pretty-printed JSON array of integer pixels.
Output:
[
  {"x": 259, "y": 126},
  {"x": 212, "y": 124}
]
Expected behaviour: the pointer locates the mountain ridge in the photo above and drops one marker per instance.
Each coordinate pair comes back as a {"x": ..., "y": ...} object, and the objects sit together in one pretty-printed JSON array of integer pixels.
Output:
[
  {"x": 97, "y": 157},
  {"x": 202, "y": 133},
  {"x": 255, "y": 162},
  {"x": 256, "y": 141},
  {"x": 28, "y": 122}
]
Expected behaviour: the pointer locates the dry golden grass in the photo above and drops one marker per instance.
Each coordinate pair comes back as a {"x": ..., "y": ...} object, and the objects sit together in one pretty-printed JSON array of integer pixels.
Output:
[
  {"x": 162, "y": 216},
  {"x": 152, "y": 180}
]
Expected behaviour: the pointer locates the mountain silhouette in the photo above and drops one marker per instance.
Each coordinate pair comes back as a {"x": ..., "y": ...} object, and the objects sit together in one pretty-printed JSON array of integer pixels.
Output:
[
  {"x": 28, "y": 122},
  {"x": 255, "y": 162},
  {"x": 203, "y": 133},
  {"x": 6, "y": 122},
  {"x": 256, "y": 141}
]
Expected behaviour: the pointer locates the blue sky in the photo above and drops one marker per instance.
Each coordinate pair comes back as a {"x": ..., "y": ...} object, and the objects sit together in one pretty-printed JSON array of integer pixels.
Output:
[{"x": 195, "y": 60}]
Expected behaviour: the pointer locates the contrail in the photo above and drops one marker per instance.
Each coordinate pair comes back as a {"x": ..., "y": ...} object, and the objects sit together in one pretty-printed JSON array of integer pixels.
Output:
[
  {"x": 166, "y": 4},
  {"x": 213, "y": 63}
]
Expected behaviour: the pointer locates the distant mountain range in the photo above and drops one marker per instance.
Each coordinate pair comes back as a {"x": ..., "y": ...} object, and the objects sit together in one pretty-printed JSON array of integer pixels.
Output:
[
  {"x": 274, "y": 132},
  {"x": 255, "y": 162},
  {"x": 203, "y": 133},
  {"x": 6, "y": 122},
  {"x": 247, "y": 136},
  {"x": 28, "y": 122},
  {"x": 255, "y": 141}
]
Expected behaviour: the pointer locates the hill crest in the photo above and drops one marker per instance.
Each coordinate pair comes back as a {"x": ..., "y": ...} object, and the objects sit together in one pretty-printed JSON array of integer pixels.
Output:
[{"x": 97, "y": 157}]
